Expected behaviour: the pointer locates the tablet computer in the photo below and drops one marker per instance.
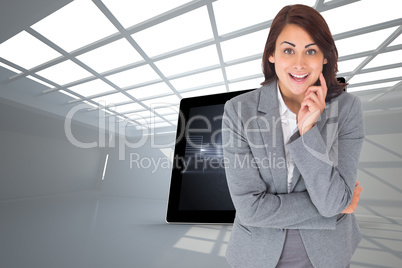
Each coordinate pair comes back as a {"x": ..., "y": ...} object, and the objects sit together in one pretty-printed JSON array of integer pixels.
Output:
[{"x": 198, "y": 188}]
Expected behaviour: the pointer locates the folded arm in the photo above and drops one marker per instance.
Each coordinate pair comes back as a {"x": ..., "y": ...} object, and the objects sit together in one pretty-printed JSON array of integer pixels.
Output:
[
  {"x": 329, "y": 167},
  {"x": 255, "y": 205}
]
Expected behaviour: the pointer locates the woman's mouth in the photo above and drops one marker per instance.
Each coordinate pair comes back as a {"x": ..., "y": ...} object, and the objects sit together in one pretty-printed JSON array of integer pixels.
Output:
[{"x": 298, "y": 78}]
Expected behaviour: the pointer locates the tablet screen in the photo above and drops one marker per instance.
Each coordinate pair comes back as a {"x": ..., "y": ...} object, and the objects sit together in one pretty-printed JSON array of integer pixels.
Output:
[{"x": 198, "y": 189}]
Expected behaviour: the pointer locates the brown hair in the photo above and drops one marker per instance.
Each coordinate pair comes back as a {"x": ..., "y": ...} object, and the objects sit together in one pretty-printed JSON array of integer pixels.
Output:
[{"x": 314, "y": 24}]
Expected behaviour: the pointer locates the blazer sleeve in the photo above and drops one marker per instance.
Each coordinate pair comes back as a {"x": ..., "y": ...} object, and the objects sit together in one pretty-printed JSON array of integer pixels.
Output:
[
  {"x": 255, "y": 206},
  {"x": 329, "y": 165}
]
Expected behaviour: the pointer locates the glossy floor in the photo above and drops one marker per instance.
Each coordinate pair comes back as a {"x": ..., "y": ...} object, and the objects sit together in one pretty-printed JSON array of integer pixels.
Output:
[{"x": 90, "y": 230}]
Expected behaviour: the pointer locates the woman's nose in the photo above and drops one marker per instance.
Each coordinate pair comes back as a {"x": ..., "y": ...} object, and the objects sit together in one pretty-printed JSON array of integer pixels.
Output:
[{"x": 299, "y": 62}]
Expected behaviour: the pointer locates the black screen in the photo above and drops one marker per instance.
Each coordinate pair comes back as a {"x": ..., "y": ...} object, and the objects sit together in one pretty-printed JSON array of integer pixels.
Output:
[
  {"x": 204, "y": 184},
  {"x": 198, "y": 187}
]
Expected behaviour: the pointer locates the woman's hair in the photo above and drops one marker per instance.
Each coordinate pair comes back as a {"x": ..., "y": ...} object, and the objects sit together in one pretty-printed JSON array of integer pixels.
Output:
[{"x": 314, "y": 24}]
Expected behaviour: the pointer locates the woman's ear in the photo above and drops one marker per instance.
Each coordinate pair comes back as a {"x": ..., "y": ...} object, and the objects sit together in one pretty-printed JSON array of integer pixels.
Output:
[
  {"x": 271, "y": 59},
  {"x": 325, "y": 61}
]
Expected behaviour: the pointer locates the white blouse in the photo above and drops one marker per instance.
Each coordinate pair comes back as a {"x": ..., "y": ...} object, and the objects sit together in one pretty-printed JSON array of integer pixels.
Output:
[{"x": 289, "y": 126}]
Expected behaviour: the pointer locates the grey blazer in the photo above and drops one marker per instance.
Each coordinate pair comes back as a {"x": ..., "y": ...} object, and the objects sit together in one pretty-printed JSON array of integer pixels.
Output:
[{"x": 326, "y": 159}]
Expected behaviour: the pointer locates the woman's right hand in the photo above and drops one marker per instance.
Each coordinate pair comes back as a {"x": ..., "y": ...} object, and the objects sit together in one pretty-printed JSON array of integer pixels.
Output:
[{"x": 355, "y": 199}]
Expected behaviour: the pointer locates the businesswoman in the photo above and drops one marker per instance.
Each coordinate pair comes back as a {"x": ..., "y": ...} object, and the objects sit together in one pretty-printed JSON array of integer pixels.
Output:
[{"x": 291, "y": 151}]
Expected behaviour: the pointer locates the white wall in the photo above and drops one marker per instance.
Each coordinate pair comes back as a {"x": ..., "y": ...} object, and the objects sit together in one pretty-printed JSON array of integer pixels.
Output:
[
  {"x": 36, "y": 157},
  {"x": 143, "y": 171}
]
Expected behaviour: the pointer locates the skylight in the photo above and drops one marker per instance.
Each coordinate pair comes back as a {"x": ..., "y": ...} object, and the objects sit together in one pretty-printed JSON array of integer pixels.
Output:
[
  {"x": 182, "y": 57},
  {"x": 363, "y": 42},
  {"x": 396, "y": 72},
  {"x": 128, "y": 108},
  {"x": 75, "y": 25},
  {"x": 232, "y": 15},
  {"x": 39, "y": 81},
  {"x": 92, "y": 88},
  {"x": 168, "y": 110},
  {"x": 196, "y": 59},
  {"x": 397, "y": 41},
  {"x": 248, "y": 84},
  {"x": 8, "y": 67},
  {"x": 112, "y": 99},
  {"x": 164, "y": 102},
  {"x": 244, "y": 46},
  {"x": 205, "y": 91},
  {"x": 385, "y": 59},
  {"x": 130, "y": 12},
  {"x": 111, "y": 56},
  {"x": 197, "y": 80},
  {"x": 64, "y": 72},
  {"x": 26, "y": 51},
  {"x": 349, "y": 65},
  {"x": 371, "y": 87},
  {"x": 168, "y": 36},
  {"x": 244, "y": 69},
  {"x": 346, "y": 18},
  {"x": 150, "y": 91},
  {"x": 134, "y": 76}
]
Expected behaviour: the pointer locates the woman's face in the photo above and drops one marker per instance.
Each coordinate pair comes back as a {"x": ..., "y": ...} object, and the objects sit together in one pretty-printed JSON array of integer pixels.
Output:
[{"x": 298, "y": 61}]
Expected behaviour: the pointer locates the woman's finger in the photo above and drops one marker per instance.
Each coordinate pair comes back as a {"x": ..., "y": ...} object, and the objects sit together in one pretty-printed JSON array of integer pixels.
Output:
[
  {"x": 323, "y": 85},
  {"x": 313, "y": 97},
  {"x": 319, "y": 91}
]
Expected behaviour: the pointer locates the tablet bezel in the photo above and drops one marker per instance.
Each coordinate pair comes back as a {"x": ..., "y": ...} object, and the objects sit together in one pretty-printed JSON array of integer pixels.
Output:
[{"x": 174, "y": 214}]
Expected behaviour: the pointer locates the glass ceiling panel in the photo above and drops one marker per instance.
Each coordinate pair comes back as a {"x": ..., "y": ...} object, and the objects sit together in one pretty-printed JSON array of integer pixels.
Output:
[
  {"x": 244, "y": 69},
  {"x": 165, "y": 102},
  {"x": 150, "y": 91},
  {"x": 72, "y": 96},
  {"x": 349, "y": 65},
  {"x": 173, "y": 109},
  {"x": 232, "y": 15},
  {"x": 385, "y": 59},
  {"x": 189, "y": 61},
  {"x": 187, "y": 29},
  {"x": 75, "y": 25},
  {"x": 243, "y": 46},
  {"x": 397, "y": 41},
  {"x": 161, "y": 124},
  {"x": 248, "y": 84},
  {"x": 128, "y": 108},
  {"x": 130, "y": 12},
  {"x": 113, "y": 99},
  {"x": 363, "y": 42},
  {"x": 202, "y": 92},
  {"x": 26, "y": 51},
  {"x": 361, "y": 14},
  {"x": 111, "y": 56},
  {"x": 134, "y": 76},
  {"x": 395, "y": 72},
  {"x": 92, "y": 88},
  {"x": 172, "y": 117},
  {"x": 9, "y": 67},
  {"x": 64, "y": 72},
  {"x": 39, "y": 81},
  {"x": 371, "y": 87},
  {"x": 141, "y": 117},
  {"x": 196, "y": 80}
]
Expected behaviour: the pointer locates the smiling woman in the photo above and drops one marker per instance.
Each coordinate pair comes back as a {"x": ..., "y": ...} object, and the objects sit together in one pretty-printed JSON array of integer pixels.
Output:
[
  {"x": 319, "y": 38},
  {"x": 300, "y": 214}
]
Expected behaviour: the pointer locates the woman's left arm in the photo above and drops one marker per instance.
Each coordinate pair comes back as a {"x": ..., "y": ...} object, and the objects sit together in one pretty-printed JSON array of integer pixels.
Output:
[{"x": 327, "y": 155}]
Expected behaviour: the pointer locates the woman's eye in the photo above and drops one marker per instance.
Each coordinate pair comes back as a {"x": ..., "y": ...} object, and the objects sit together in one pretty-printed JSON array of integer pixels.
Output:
[
  {"x": 311, "y": 52},
  {"x": 288, "y": 51}
]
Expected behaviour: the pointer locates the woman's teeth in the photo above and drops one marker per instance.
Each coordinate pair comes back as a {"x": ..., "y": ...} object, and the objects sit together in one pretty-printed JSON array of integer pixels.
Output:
[{"x": 299, "y": 76}]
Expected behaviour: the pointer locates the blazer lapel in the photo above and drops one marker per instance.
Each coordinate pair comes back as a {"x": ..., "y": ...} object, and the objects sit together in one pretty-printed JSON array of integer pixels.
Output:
[
  {"x": 268, "y": 106},
  {"x": 320, "y": 125}
]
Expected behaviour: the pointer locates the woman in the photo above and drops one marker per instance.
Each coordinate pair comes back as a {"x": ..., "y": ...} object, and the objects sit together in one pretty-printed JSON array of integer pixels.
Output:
[{"x": 291, "y": 152}]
